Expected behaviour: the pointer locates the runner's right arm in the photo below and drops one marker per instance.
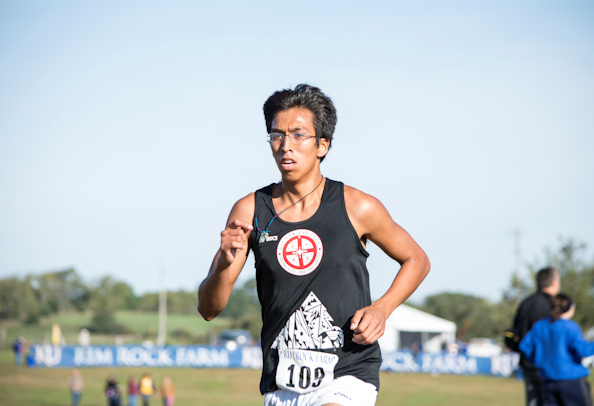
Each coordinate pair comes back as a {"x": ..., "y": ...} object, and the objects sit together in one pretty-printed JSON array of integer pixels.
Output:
[{"x": 214, "y": 291}]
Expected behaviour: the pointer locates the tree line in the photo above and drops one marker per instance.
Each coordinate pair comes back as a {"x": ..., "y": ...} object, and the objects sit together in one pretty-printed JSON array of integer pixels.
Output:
[
  {"x": 34, "y": 296},
  {"x": 478, "y": 317}
]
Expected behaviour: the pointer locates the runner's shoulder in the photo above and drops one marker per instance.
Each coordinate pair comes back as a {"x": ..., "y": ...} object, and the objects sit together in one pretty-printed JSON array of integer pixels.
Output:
[
  {"x": 243, "y": 209},
  {"x": 360, "y": 204}
]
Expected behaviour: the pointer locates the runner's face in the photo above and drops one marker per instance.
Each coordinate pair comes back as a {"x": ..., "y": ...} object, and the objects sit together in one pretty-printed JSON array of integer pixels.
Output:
[{"x": 296, "y": 160}]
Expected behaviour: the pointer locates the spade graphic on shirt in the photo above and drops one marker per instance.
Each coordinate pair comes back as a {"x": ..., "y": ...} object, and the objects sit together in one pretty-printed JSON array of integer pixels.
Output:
[{"x": 310, "y": 327}]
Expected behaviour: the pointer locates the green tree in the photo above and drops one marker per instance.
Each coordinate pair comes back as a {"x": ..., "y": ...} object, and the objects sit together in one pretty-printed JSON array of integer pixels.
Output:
[
  {"x": 149, "y": 302},
  {"x": 243, "y": 300},
  {"x": 103, "y": 303},
  {"x": 18, "y": 300},
  {"x": 182, "y": 302},
  {"x": 123, "y": 296},
  {"x": 60, "y": 291},
  {"x": 474, "y": 316}
]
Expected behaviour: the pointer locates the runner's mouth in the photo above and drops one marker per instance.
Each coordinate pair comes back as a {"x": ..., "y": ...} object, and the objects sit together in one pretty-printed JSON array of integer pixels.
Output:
[{"x": 287, "y": 164}]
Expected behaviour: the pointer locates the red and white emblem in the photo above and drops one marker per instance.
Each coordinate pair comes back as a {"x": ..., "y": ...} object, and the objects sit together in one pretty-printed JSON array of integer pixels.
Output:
[{"x": 300, "y": 252}]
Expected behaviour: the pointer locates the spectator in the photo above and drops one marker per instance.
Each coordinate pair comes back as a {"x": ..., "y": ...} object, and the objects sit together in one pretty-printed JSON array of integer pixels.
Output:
[
  {"x": 132, "y": 391},
  {"x": 532, "y": 309},
  {"x": 556, "y": 346},
  {"x": 112, "y": 391},
  {"x": 76, "y": 384},
  {"x": 167, "y": 392},
  {"x": 18, "y": 348},
  {"x": 146, "y": 388}
]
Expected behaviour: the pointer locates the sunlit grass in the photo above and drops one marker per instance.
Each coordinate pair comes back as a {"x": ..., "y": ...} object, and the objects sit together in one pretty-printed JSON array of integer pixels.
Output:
[
  {"x": 234, "y": 387},
  {"x": 210, "y": 387}
]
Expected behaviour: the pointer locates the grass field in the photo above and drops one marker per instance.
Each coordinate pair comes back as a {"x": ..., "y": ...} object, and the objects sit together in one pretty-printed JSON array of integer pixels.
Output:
[{"x": 234, "y": 387}]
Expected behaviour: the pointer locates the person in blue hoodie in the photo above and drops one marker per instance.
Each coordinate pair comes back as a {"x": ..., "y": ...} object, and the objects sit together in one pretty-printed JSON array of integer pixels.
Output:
[{"x": 556, "y": 346}]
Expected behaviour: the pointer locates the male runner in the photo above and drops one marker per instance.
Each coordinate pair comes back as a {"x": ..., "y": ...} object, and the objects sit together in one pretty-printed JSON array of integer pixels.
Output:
[{"x": 308, "y": 234}]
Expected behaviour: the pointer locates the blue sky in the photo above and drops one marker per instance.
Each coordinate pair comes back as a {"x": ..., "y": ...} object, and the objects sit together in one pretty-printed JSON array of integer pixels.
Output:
[{"x": 129, "y": 129}]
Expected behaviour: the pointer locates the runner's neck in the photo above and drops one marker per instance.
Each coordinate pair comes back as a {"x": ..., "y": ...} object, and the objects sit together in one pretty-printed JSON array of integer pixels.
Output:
[{"x": 302, "y": 201}]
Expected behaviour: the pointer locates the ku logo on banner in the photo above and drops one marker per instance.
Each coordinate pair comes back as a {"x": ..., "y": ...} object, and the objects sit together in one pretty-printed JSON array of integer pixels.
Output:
[{"x": 300, "y": 252}]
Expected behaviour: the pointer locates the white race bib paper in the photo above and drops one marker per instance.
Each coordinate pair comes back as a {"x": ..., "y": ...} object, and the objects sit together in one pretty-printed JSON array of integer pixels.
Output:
[{"x": 303, "y": 371}]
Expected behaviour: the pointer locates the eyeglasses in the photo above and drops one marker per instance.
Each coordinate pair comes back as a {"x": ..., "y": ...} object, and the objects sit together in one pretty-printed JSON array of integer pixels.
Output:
[{"x": 296, "y": 138}]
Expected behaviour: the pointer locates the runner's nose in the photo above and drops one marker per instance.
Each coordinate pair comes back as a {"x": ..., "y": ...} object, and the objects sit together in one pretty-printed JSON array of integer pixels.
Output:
[{"x": 287, "y": 143}]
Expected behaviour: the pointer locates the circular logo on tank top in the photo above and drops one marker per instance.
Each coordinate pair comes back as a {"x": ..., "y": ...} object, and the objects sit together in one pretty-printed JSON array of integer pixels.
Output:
[{"x": 300, "y": 252}]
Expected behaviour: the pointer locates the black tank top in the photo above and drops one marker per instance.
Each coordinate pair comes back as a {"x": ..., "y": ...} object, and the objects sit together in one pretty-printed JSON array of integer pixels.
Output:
[{"x": 311, "y": 278}]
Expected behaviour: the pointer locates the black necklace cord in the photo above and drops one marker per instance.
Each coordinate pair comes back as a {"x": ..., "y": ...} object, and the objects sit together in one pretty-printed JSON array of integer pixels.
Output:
[{"x": 265, "y": 233}]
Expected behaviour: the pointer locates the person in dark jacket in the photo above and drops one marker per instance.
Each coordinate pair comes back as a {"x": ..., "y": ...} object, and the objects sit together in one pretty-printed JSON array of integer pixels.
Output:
[
  {"x": 532, "y": 309},
  {"x": 556, "y": 346},
  {"x": 18, "y": 349},
  {"x": 112, "y": 391}
]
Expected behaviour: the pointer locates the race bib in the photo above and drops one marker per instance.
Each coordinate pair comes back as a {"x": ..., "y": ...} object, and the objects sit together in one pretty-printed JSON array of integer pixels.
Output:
[{"x": 303, "y": 371}]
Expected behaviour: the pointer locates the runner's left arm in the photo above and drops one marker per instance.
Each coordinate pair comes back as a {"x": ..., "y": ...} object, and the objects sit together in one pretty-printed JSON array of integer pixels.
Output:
[{"x": 373, "y": 222}]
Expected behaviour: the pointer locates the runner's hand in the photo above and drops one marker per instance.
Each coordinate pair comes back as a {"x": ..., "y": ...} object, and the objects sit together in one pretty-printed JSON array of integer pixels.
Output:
[
  {"x": 368, "y": 325},
  {"x": 234, "y": 239}
]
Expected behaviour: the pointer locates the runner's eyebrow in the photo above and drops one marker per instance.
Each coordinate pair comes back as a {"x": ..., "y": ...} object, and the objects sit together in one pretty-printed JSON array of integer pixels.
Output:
[{"x": 291, "y": 130}]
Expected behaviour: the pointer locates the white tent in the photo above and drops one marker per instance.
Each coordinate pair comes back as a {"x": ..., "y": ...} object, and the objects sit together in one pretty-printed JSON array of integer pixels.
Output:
[{"x": 407, "y": 326}]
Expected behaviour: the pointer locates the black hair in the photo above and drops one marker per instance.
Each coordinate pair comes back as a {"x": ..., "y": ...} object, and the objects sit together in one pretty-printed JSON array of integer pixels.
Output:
[
  {"x": 561, "y": 304},
  {"x": 545, "y": 277},
  {"x": 308, "y": 97}
]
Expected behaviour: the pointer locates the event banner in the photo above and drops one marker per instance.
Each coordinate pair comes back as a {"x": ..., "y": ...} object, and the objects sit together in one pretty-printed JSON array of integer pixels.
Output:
[{"x": 202, "y": 356}]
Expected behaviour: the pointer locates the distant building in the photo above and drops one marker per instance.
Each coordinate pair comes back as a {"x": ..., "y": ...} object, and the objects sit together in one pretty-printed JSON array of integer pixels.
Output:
[{"x": 408, "y": 329}]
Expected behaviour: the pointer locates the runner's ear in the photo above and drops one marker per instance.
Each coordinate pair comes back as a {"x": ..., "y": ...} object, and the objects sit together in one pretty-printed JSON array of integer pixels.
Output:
[{"x": 323, "y": 147}]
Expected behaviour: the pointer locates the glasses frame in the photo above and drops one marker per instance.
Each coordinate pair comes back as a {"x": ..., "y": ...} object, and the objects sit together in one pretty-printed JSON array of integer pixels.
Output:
[{"x": 294, "y": 141}]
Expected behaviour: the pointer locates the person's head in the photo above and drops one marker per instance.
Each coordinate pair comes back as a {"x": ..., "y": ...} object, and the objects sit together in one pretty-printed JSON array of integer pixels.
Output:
[
  {"x": 548, "y": 281},
  {"x": 306, "y": 97},
  {"x": 112, "y": 377},
  {"x": 75, "y": 372},
  {"x": 563, "y": 307}
]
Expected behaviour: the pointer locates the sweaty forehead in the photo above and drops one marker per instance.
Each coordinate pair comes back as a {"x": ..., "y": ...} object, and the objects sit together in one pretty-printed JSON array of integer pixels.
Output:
[{"x": 294, "y": 117}]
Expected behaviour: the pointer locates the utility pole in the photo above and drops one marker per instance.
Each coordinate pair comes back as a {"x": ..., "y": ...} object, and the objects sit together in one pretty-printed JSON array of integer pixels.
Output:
[{"x": 161, "y": 338}]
